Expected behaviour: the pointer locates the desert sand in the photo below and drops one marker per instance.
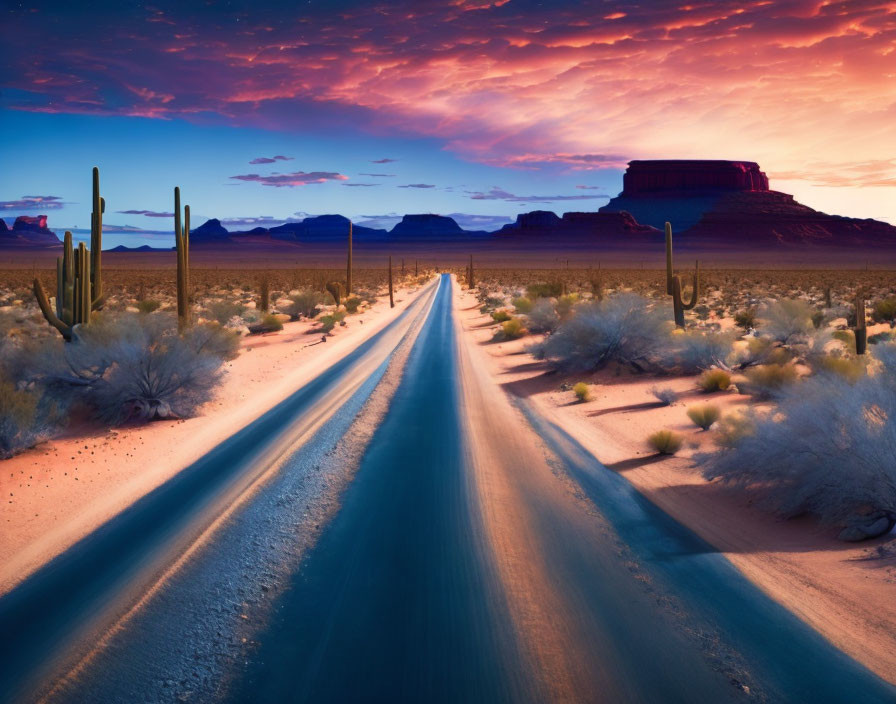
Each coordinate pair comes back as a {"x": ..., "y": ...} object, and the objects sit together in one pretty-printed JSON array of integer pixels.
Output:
[
  {"x": 847, "y": 592},
  {"x": 60, "y": 491}
]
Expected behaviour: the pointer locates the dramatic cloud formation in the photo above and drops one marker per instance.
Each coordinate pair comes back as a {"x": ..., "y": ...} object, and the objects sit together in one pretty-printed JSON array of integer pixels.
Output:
[
  {"x": 33, "y": 203},
  {"x": 270, "y": 160},
  {"x": 578, "y": 84},
  {"x": 297, "y": 178},
  {"x": 500, "y": 194},
  {"x": 147, "y": 213}
]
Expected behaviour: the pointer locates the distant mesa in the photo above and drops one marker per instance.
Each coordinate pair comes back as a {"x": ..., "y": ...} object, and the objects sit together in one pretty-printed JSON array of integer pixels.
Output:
[
  {"x": 594, "y": 226},
  {"x": 689, "y": 176},
  {"x": 321, "y": 228},
  {"x": 426, "y": 225},
  {"x": 729, "y": 203},
  {"x": 713, "y": 205},
  {"x": 141, "y": 248},
  {"x": 27, "y": 223},
  {"x": 209, "y": 231},
  {"x": 28, "y": 231}
]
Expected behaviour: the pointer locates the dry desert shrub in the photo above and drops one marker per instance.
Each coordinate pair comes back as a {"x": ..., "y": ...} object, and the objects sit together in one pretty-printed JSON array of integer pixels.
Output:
[
  {"x": 714, "y": 380},
  {"x": 826, "y": 449},
  {"x": 665, "y": 442},
  {"x": 704, "y": 416}
]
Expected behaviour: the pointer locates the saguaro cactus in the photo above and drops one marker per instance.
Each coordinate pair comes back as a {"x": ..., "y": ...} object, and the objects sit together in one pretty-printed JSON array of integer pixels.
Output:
[
  {"x": 669, "y": 269},
  {"x": 348, "y": 266},
  {"x": 182, "y": 242},
  {"x": 597, "y": 284},
  {"x": 265, "y": 295},
  {"x": 673, "y": 283},
  {"x": 860, "y": 330},
  {"x": 391, "y": 296},
  {"x": 471, "y": 279},
  {"x": 96, "y": 243},
  {"x": 79, "y": 283}
]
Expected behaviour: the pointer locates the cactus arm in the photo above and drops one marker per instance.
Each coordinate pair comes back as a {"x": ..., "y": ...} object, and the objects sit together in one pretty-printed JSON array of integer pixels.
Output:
[
  {"x": 861, "y": 329},
  {"x": 68, "y": 279},
  {"x": 391, "y": 298},
  {"x": 182, "y": 245},
  {"x": 96, "y": 244},
  {"x": 186, "y": 236},
  {"x": 677, "y": 306},
  {"x": 348, "y": 266},
  {"x": 696, "y": 289},
  {"x": 49, "y": 315},
  {"x": 669, "y": 258},
  {"x": 60, "y": 287}
]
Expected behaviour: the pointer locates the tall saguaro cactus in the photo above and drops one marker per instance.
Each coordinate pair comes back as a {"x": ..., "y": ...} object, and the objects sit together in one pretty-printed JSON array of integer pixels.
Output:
[
  {"x": 264, "y": 302},
  {"x": 182, "y": 242},
  {"x": 96, "y": 242},
  {"x": 471, "y": 279},
  {"x": 348, "y": 266},
  {"x": 669, "y": 269},
  {"x": 860, "y": 330},
  {"x": 673, "y": 283},
  {"x": 79, "y": 284},
  {"x": 391, "y": 296}
]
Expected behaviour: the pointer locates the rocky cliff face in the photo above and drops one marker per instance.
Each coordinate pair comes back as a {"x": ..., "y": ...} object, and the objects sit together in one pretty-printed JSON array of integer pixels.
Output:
[
  {"x": 677, "y": 176},
  {"x": 729, "y": 203},
  {"x": 588, "y": 226},
  {"x": 28, "y": 231},
  {"x": 426, "y": 225},
  {"x": 770, "y": 219}
]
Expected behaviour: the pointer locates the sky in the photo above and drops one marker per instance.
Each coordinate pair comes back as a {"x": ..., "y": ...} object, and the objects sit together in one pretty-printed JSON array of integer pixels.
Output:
[{"x": 264, "y": 112}]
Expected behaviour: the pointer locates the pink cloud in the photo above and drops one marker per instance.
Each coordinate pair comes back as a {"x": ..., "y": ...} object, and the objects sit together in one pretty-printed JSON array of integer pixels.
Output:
[{"x": 563, "y": 85}]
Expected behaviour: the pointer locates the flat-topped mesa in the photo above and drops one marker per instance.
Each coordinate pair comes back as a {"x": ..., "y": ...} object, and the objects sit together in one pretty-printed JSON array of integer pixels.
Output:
[
  {"x": 426, "y": 224},
  {"x": 685, "y": 176},
  {"x": 28, "y": 230}
]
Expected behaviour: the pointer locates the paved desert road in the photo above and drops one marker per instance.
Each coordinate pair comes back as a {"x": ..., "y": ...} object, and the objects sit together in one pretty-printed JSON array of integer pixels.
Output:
[
  {"x": 478, "y": 554},
  {"x": 473, "y": 563}
]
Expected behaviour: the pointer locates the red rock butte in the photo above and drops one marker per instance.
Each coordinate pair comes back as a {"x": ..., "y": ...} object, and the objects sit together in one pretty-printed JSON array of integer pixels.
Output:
[{"x": 677, "y": 176}]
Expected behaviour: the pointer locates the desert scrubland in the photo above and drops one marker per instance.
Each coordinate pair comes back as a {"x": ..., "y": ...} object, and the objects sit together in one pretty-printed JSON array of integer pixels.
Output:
[
  {"x": 756, "y": 425},
  {"x": 88, "y": 427}
]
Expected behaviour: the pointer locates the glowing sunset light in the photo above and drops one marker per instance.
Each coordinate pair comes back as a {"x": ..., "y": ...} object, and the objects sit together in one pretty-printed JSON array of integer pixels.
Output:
[{"x": 492, "y": 83}]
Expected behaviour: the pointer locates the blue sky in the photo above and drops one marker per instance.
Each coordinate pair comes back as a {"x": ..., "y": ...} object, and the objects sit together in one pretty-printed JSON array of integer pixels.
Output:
[{"x": 141, "y": 160}]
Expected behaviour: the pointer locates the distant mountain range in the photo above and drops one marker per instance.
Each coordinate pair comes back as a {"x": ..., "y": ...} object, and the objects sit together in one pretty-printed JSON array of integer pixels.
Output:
[{"x": 712, "y": 204}]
